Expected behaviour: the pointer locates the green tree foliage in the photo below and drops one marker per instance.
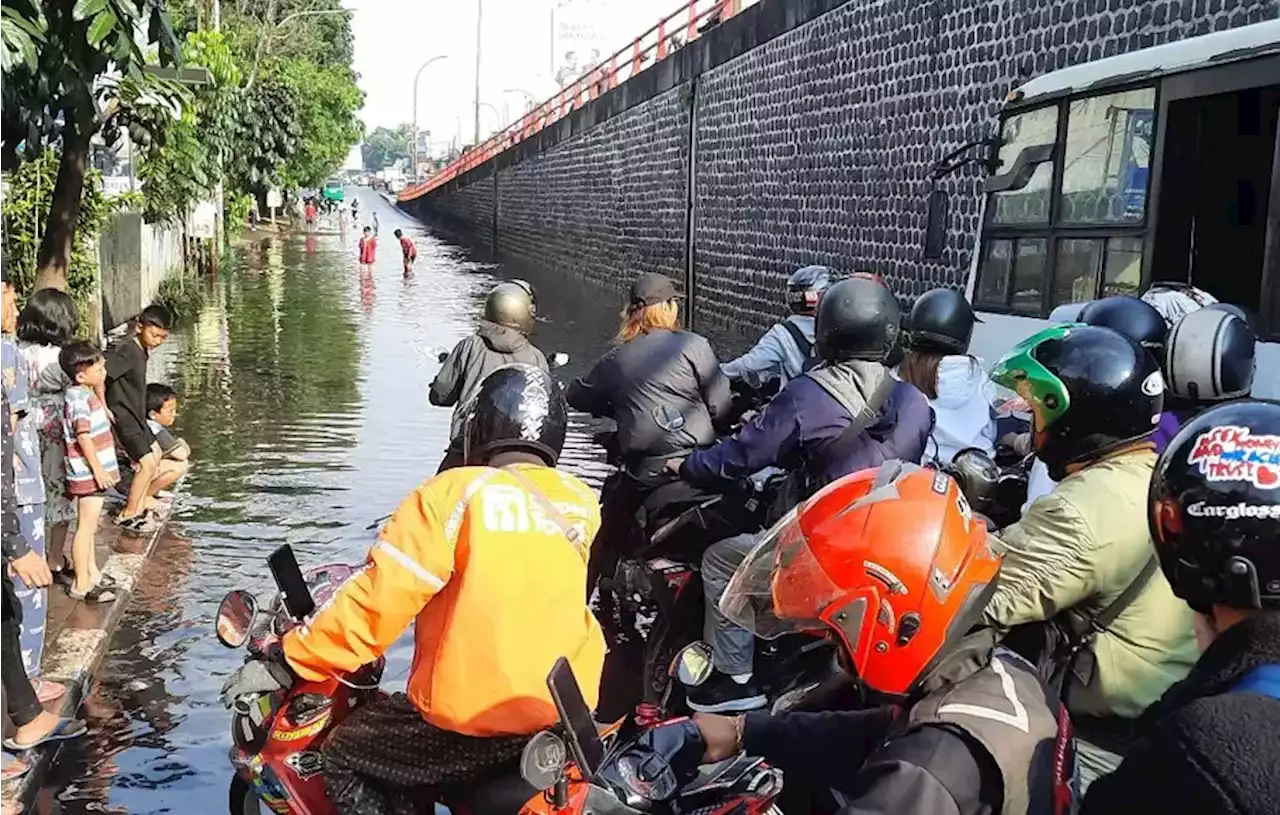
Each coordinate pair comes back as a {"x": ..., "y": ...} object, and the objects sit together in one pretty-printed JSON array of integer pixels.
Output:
[
  {"x": 384, "y": 147},
  {"x": 327, "y": 103},
  {"x": 57, "y": 55},
  {"x": 267, "y": 134}
]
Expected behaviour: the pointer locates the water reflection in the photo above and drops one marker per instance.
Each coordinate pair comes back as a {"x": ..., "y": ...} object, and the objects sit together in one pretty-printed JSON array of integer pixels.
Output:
[{"x": 303, "y": 395}]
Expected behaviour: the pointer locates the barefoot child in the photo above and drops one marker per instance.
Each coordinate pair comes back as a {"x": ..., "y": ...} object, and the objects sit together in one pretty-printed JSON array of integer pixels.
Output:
[
  {"x": 368, "y": 250},
  {"x": 91, "y": 464}
]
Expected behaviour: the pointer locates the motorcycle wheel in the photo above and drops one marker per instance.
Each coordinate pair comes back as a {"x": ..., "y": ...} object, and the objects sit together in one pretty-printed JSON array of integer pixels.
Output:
[{"x": 241, "y": 799}]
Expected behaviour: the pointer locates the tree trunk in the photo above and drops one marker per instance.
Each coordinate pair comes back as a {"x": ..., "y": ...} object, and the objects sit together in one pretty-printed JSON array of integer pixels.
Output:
[{"x": 54, "y": 259}]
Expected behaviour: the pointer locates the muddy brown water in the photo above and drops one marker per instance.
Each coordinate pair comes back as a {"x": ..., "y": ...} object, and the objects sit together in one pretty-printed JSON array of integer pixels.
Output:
[{"x": 303, "y": 395}]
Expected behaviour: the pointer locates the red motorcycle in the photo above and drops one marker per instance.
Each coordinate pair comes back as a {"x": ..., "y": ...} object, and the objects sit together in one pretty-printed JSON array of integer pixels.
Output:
[{"x": 571, "y": 769}]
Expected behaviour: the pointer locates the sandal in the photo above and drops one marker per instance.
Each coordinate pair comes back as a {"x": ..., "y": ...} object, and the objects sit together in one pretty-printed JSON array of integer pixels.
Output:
[
  {"x": 47, "y": 690},
  {"x": 98, "y": 594},
  {"x": 14, "y": 767},
  {"x": 63, "y": 730}
]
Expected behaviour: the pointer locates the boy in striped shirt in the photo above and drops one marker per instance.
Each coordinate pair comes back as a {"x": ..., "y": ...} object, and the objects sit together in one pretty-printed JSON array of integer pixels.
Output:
[{"x": 91, "y": 463}]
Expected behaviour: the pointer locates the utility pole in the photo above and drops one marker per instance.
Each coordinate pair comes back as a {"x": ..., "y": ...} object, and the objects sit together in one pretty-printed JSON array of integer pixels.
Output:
[
  {"x": 479, "y": 20},
  {"x": 416, "y": 77}
]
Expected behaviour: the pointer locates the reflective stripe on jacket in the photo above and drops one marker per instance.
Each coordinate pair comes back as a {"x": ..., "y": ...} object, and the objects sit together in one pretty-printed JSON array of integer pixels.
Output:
[{"x": 496, "y": 591}]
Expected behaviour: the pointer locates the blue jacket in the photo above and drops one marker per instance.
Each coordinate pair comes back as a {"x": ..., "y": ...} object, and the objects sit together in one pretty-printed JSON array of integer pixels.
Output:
[{"x": 807, "y": 415}]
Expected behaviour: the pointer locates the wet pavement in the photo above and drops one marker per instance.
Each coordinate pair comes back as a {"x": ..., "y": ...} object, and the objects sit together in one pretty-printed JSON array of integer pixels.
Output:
[{"x": 303, "y": 395}]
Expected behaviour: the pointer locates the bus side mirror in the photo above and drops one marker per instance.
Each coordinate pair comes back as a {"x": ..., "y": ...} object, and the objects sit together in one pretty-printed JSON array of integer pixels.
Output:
[{"x": 1024, "y": 166}]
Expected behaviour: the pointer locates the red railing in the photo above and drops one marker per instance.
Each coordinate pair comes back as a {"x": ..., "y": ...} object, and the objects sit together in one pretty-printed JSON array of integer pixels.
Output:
[{"x": 671, "y": 33}]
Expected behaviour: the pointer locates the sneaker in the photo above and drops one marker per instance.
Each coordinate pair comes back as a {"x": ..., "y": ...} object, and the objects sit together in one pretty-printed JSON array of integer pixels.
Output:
[
  {"x": 722, "y": 694},
  {"x": 140, "y": 524}
]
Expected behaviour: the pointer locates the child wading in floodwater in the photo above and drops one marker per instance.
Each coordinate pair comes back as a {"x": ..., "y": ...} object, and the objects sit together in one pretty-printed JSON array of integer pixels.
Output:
[
  {"x": 410, "y": 251},
  {"x": 91, "y": 464},
  {"x": 368, "y": 250}
]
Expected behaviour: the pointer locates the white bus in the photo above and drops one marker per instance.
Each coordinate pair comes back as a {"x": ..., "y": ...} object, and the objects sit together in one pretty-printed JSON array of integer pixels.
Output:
[{"x": 1160, "y": 164}]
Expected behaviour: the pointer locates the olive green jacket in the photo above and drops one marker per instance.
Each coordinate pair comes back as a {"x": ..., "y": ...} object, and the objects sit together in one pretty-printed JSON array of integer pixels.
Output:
[{"x": 1082, "y": 545}]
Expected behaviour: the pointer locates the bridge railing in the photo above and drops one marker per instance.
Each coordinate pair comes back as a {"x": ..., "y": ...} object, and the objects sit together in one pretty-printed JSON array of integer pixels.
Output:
[{"x": 672, "y": 32}]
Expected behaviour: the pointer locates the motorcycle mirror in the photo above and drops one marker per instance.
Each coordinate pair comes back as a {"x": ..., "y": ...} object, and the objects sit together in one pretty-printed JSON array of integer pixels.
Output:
[
  {"x": 542, "y": 760},
  {"x": 559, "y": 360},
  {"x": 692, "y": 665},
  {"x": 236, "y": 613}
]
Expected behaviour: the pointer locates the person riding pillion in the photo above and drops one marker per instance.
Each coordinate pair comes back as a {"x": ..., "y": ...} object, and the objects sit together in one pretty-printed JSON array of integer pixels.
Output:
[
  {"x": 938, "y": 363},
  {"x": 488, "y": 563},
  {"x": 1078, "y": 567},
  {"x": 502, "y": 337},
  {"x": 786, "y": 349},
  {"x": 846, "y": 414},
  {"x": 1209, "y": 744},
  {"x": 892, "y": 566}
]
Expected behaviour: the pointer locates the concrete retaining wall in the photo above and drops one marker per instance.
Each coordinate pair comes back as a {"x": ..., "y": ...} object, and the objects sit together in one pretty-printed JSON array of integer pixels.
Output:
[
  {"x": 133, "y": 257},
  {"x": 808, "y": 127}
]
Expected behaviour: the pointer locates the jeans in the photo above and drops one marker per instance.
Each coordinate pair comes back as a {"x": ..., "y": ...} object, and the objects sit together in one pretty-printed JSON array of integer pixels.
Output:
[
  {"x": 1093, "y": 761},
  {"x": 734, "y": 647}
]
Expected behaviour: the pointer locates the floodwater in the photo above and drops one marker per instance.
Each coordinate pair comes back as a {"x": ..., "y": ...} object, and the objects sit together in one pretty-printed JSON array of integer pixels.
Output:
[{"x": 303, "y": 395}]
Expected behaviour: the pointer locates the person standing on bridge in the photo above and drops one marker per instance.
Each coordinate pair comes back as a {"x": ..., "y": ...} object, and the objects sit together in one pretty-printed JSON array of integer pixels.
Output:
[
  {"x": 502, "y": 338},
  {"x": 368, "y": 251}
]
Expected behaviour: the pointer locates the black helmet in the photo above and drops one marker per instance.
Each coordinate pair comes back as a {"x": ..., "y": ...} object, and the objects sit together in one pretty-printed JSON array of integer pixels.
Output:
[
  {"x": 1209, "y": 356},
  {"x": 941, "y": 321},
  {"x": 513, "y": 305},
  {"x": 977, "y": 475},
  {"x": 1132, "y": 317},
  {"x": 1092, "y": 390},
  {"x": 518, "y": 407},
  {"x": 1214, "y": 507},
  {"x": 805, "y": 288},
  {"x": 1249, "y": 316},
  {"x": 858, "y": 318}
]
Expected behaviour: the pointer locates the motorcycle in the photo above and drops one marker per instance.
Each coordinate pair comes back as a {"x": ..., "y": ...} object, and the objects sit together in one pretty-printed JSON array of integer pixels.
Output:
[{"x": 571, "y": 769}]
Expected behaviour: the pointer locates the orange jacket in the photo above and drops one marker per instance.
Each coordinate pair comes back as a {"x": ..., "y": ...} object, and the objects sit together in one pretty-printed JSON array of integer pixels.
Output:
[{"x": 496, "y": 590}]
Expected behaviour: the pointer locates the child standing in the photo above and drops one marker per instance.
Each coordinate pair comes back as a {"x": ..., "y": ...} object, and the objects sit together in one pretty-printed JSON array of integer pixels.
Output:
[
  {"x": 91, "y": 464},
  {"x": 127, "y": 398},
  {"x": 368, "y": 250},
  {"x": 410, "y": 251},
  {"x": 162, "y": 410}
]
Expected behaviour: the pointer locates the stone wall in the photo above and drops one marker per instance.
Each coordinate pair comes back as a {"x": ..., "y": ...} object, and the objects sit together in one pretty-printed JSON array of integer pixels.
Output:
[{"x": 815, "y": 123}]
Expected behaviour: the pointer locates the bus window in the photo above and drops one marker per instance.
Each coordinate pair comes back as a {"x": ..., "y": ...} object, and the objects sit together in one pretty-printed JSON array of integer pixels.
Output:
[
  {"x": 1108, "y": 158},
  {"x": 1029, "y": 204}
]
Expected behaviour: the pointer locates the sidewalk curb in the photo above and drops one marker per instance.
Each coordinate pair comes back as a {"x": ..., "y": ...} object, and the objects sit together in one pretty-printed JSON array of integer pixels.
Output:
[{"x": 75, "y": 654}]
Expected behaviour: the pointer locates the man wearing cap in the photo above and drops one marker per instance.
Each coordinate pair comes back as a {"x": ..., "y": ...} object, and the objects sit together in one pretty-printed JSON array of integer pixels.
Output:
[{"x": 665, "y": 390}]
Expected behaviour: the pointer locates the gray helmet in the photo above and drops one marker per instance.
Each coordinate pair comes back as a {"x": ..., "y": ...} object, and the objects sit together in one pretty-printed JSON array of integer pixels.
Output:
[
  {"x": 805, "y": 288},
  {"x": 513, "y": 305}
]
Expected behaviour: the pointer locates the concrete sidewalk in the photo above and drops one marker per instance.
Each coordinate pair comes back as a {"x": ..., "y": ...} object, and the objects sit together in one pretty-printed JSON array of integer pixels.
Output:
[{"x": 77, "y": 636}]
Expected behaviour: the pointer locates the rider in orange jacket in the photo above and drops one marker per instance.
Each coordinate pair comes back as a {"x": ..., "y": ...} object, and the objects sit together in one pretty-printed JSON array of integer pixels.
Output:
[{"x": 490, "y": 562}]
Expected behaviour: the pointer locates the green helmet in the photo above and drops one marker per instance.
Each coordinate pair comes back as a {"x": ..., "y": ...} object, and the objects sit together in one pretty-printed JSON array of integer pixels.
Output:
[
  {"x": 512, "y": 305},
  {"x": 1092, "y": 389}
]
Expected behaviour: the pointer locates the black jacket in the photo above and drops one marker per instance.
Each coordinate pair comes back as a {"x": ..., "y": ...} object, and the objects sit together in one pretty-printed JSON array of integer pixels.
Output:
[
  {"x": 1203, "y": 748},
  {"x": 474, "y": 358},
  {"x": 664, "y": 389}
]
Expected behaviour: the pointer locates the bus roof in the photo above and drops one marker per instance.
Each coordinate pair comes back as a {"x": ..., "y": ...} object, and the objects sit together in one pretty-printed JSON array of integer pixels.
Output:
[{"x": 1205, "y": 51}]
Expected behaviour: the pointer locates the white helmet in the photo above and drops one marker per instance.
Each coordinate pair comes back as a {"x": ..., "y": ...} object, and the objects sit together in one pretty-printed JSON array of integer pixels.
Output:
[{"x": 1209, "y": 356}]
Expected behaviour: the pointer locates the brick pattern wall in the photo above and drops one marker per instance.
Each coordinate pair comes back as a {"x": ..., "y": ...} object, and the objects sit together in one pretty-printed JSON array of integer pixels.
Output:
[
  {"x": 469, "y": 208},
  {"x": 816, "y": 147},
  {"x": 607, "y": 204}
]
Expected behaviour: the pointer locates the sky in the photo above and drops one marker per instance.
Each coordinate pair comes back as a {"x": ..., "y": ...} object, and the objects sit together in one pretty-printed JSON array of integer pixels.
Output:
[{"x": 393, "y": 38}]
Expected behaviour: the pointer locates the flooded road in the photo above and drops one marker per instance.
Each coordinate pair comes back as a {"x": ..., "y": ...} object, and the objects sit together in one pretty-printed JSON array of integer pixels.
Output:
[{"x": 303, "y": 395}]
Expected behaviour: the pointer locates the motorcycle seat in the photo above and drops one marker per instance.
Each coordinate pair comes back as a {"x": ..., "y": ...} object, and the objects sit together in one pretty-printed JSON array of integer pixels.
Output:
[{"x": 505, "y": 795}]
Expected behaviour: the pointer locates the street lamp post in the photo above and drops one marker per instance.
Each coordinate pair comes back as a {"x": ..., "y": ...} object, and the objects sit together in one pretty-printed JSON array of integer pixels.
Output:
[{"x": 416, "y": 76}]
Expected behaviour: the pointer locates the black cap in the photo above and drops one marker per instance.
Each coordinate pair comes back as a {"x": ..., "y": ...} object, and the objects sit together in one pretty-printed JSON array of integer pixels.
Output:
[{"x": 651, "y": 288}]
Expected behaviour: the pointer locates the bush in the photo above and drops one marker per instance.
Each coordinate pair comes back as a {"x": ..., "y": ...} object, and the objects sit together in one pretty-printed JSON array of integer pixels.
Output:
[{"x": 183, "y": 293}]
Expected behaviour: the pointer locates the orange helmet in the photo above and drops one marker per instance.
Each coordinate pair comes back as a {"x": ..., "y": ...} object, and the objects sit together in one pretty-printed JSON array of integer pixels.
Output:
[{"x": 889, "y": 559}]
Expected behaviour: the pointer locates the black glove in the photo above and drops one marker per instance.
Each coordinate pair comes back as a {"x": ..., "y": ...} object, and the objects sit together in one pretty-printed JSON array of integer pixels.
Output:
[{"x": 256, "y": 676}]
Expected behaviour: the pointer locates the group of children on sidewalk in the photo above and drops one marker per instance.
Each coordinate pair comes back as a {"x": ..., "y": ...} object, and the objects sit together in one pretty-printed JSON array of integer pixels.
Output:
[{"x": 69, "y": 407}]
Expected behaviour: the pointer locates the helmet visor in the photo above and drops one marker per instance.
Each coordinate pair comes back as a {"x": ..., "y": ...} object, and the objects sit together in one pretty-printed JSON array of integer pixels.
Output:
[
  {"x": 780, "y": 588},
  {"x": 1022, "y": 373}
]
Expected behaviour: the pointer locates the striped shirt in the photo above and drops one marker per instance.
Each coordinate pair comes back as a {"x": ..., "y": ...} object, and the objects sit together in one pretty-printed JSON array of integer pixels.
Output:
[{"x": 84, "y": 413}]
